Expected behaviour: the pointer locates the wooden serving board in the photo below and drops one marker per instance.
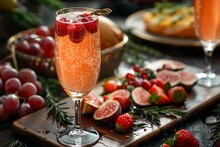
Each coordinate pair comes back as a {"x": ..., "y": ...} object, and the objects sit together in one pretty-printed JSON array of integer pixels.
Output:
[{"x": 40, "y": 130}]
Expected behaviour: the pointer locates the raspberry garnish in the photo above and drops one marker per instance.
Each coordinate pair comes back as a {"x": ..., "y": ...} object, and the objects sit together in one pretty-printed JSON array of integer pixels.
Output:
[
  {"x": 91, "y": 25},
  {"x": 61, "y": 26},
  {"x": 76, "y": 32}
]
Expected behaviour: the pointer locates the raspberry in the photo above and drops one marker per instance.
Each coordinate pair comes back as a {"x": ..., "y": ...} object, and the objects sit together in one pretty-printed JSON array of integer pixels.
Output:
[
  {"x": 76, "y": 32},
  {"x": 61, "y": 26}
]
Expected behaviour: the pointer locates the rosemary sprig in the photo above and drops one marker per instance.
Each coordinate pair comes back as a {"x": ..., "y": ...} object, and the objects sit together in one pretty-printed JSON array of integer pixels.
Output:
[
  {"x": 215, "y": 131},
  {"x": 15, "y": 143},
  {"x": 56, "y": 110},
  {"x": 153, "y": 114}
]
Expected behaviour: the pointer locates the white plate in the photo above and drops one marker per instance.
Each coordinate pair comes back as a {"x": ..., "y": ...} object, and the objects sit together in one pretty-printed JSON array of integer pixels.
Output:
[{"x": 135, "y": 22}]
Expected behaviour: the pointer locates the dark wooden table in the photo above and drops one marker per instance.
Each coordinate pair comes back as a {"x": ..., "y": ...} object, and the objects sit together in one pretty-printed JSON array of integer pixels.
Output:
[{"x": 188, "y": 55}]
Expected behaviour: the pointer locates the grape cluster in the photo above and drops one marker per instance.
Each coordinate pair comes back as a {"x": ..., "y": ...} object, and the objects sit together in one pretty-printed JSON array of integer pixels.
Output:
[
  {"x": 39, "y": 43},
  {"x": 19, "y": 92}
]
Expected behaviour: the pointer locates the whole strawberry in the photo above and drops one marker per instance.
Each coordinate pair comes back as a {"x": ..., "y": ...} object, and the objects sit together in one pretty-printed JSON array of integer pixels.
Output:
[
  {"x": 177, "y": 94},
  {"x": 124, "y": 122},
  {"x": 183, "y": 138}
]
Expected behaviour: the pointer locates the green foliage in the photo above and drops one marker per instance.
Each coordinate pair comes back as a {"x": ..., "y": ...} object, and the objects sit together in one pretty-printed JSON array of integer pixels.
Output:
[
  {"x": 216, "y": 129},
  {"x": 152, "y": 114},
  {"x": 15, "y": 143},
  {"x": 56, "y": 109}
]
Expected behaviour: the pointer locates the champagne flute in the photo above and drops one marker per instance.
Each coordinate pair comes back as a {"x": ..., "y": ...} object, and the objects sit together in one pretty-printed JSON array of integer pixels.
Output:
[
  {"x": 207, "y": 27},
  {"x": 77, "y": 60}
]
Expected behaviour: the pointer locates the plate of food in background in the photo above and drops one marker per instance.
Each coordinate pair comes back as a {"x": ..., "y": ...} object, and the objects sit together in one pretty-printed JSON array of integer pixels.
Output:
[{"x": 166, "y": 23}]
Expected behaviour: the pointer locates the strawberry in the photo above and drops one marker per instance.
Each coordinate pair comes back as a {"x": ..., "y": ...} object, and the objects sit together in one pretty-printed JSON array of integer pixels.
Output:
[
  {"x": 177, "y": 94},
  {"x": 158, "y": 96},
  {"x": 156, "y": 89},
  {"x": 61, "y": 26},
  {"x": 166, "y": 145},
  {"x": 76, "y": 32},
  {"x": 159, "y": 99},
  {"x": 124, "y": 122},
  {"x": 183, "y": 138}
]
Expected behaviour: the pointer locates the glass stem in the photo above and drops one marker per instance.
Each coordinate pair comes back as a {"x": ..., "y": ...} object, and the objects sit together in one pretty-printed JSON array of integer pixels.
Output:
[
  {"x": 208, "y": 50},
  {"x": 77, "y": 114},
  {"x": 208, "y": 61}
]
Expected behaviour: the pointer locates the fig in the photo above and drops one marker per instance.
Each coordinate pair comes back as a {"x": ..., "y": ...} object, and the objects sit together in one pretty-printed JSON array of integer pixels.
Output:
[
  {"x": 169, "y": 76},
  {"x": 173, "y": 65},
  {"x": 108, "y": 111},
  {"x": 187, "y": 79},
  {"x": 166, "y": 64},
  {"x": 90, "y": 103},
  {"x": 121, "y": 92},
  {"x": 141, "y": 97}
]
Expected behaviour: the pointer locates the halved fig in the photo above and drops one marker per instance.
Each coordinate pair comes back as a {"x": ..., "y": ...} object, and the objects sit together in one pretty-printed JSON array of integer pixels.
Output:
[
  {"x": 166, "y": 64},
  {"x": 173, "y": 65},
  {"x": 108, "y": 111},
  {"x": 187, "y": 79},
  {"x": 121, "y": 92},
  {"x": 169, "y": 76},
  {"x": 90, "y": 103},
  {"x": 141, "y": 97}
]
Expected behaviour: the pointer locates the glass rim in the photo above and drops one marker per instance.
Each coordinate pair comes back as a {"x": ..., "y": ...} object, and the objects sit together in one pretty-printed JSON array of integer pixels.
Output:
[{"x": 70, "y": 9}]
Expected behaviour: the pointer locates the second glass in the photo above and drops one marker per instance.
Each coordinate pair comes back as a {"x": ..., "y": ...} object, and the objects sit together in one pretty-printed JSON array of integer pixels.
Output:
[{"x": 207, "y": 27}]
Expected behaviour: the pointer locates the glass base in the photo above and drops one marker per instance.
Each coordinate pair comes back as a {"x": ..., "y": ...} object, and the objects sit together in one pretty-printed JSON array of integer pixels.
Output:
[
  {"x": 208, "y": 80},
  {"x": 78, "y": 137}
]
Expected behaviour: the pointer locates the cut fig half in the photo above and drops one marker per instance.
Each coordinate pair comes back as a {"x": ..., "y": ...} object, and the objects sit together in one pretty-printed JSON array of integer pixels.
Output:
[
  {"x": 166, "y": 64},
  {"x": 108, "y": 111},
  {"x": 187, "y": 79},
  {"x": 141, "y": 97},
  {"x": 169, "y": 76}
]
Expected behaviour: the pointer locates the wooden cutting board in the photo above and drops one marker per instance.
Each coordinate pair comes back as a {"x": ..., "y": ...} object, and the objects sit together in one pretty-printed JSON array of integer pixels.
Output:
[{"x": 42, "y": 131}]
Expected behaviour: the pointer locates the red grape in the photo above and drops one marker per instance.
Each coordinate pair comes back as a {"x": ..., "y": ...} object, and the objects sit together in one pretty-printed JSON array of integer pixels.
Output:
[
  {"x": 43, "y": 31},
  {"x": 23, "y": 46},
  {"x": 11, "y": 103},
  {"x": 1, "y": 86},
  {"x": 27, "y": 89},
  {"x": 38, "y": 86},
  {"x": 4, "y": 66},
  {"x": 24, "y": 109},
  {"x": 3, "y": 114},
  {"x": 27, "y": 75},
  {"x": 37, "y": 102},
  {"x": 33, "y": 38},
  {"x": 50, "y": 54},
  {"x": 47, "y": 44},
  {"x": 34, "y": 49},
  {"x": 2, "y": 98},
  {"x": 8, "y": 73},
  {"x": 12, "y": 85}
]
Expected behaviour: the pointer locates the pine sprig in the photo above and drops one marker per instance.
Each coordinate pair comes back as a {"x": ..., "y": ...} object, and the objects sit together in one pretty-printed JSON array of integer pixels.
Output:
[
  {"x": 15, "y": 143},
  {"x": 153, "y": 114},
  {"x": 56, "y": 110},
  {"x": 215, "y": 131}
]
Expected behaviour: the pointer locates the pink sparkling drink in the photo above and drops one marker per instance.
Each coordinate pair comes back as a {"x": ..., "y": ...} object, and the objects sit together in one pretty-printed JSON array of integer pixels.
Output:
[{"x": 77, "y": 50}]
